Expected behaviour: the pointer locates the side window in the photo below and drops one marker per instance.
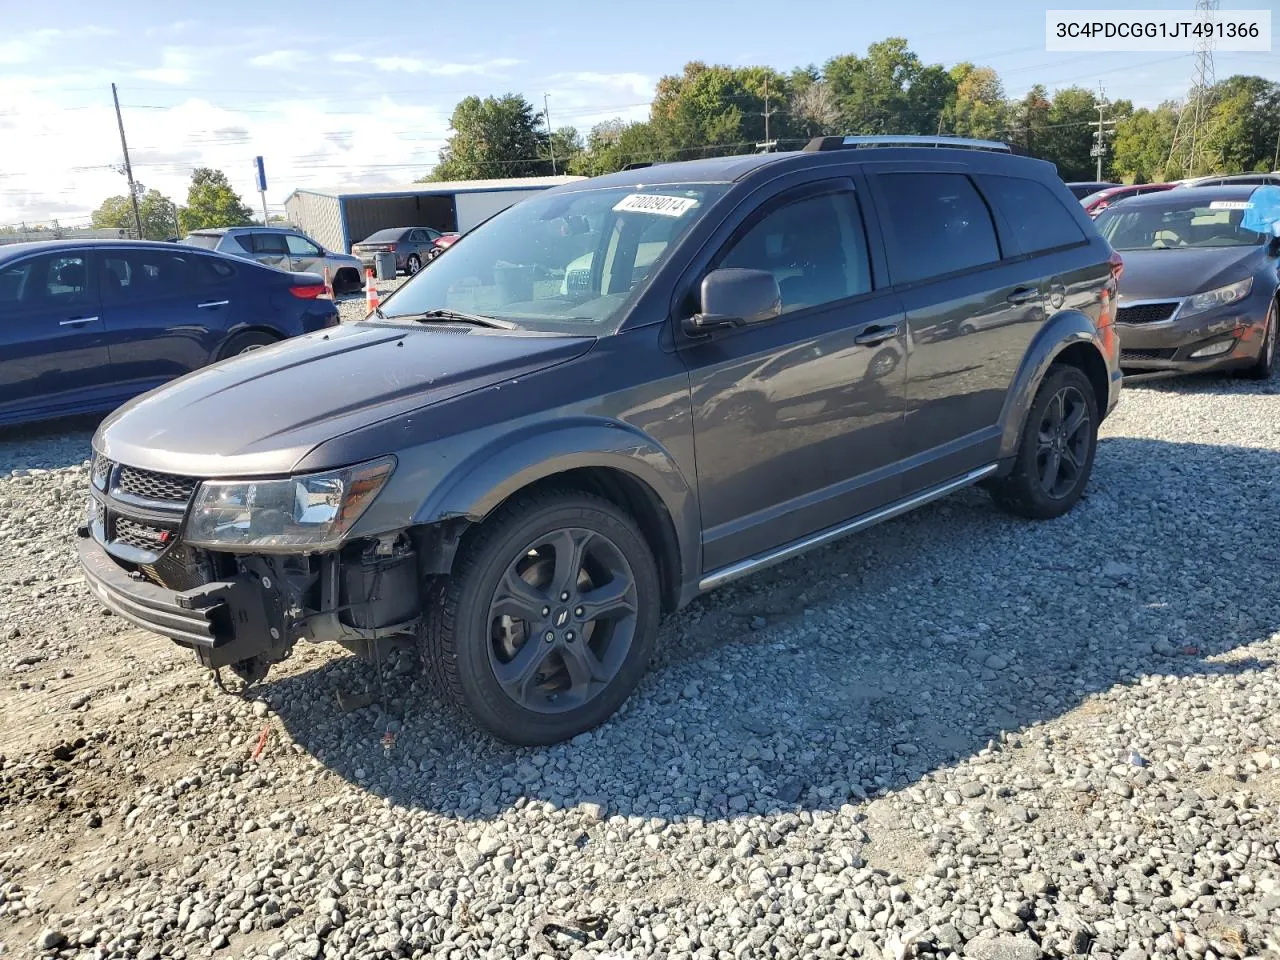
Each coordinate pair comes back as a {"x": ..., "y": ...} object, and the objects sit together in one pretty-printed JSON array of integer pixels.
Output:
[
  {"x": 144, "y": 274},
  {"x": 816, "y": 248},
  {"x": 935, "y": 224},
  {"x": 211, "y": 271},
  {"x": 1038, "y": 218},
  {"x": 269, "y": 243},
  {"x": 418, "y": 236},
  {"x": 301, "y": 246},
  {"x": 54, "y": 281}
]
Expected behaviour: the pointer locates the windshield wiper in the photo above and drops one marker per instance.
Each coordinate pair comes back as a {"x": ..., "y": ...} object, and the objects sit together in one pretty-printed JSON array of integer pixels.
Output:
[{"x": 450, "y": 316}]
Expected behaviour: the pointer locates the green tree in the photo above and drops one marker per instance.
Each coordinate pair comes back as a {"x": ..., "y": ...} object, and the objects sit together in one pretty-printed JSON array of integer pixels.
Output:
[
  {"x": 978, "y": 108},
  {"x": 888, "y": 91},
  {"x": 1028, "y": 118},
  {"x": 157, "y": 212},
  {"x": 493, "y": 137},
  {"x": 211, "y": 202},
  {"x": 565, "y": 147},
  {"x": 1068, "y": 136},
  {"x": 1140, "y": 147},
  {"x": 1244, "y": 125}
]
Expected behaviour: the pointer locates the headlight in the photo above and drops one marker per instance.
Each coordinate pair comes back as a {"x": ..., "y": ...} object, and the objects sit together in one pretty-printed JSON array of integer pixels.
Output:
[
  {"x": 1216, "y": 298},
  {"x": 314, "y": 511}
]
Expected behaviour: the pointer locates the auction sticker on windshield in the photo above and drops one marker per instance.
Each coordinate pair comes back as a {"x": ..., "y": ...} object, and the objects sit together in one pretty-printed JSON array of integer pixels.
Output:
[
  {"x": 656, "y": 203},
  {"x": 1230, "y": 205}
]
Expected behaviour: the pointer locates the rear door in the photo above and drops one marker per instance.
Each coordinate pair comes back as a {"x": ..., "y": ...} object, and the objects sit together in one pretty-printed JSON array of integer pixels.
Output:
[
  {"x": 304, "y": 256},
  {"x": 972, "y": 307},
  {"x": 268, "y": 248},
  {"x": 53, "y": 353},
  {"x": 161, "y": 319}
]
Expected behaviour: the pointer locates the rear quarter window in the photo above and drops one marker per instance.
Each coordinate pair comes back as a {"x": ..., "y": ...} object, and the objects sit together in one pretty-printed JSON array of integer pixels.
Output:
[
  {"x": 1036, "y": 216},
  {"x": 934, "y": 224},
  {"x": 208, "y": 241}
]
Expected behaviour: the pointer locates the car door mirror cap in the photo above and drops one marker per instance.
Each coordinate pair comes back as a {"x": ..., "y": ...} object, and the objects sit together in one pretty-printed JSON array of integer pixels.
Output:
[{"x": 735, "y": 297}]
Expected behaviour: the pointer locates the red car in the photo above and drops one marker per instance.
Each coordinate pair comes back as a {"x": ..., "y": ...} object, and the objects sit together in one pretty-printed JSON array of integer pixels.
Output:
[
  {"x": 441, "y": 244},
  {"x": 1095, "y": 203}
]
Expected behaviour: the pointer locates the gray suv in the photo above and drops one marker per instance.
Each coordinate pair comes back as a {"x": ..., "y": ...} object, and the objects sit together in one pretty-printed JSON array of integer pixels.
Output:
[
  {"x": 753, "y": 356},
  {"x": 285, "y": 249}
]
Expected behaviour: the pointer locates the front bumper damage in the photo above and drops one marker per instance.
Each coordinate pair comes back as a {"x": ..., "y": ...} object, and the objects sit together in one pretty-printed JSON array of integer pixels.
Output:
[{"x": 1233, "y": 339}]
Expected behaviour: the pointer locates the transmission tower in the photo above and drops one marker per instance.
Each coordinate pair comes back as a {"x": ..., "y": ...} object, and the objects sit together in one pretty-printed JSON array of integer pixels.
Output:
[{"x": 1187, "y": 151}]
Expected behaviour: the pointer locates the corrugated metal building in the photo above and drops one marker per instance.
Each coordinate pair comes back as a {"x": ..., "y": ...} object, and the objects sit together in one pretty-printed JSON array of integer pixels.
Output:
[{"x": 338, "y": 218}]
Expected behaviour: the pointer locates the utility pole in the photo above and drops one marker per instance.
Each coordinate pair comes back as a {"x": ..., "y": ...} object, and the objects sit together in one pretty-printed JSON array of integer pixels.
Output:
[
  {"x": 1100, "y": 148},
  {"x": 551, "y": 138},
  {"x": 128, "y": 170},
  {"x": 768, "y": 144}
]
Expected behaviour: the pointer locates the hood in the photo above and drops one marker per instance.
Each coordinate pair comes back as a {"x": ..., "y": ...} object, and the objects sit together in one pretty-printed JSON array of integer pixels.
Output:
[
  {"x": 1175, "y": 273},
  {"x": 261, "y": 412}
]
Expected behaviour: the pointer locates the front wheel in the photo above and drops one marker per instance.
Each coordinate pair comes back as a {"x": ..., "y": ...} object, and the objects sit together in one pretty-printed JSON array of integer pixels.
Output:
[
  {"x": 549, "y": 619},
  {"x": 246, "y": 343},
  {"x": 1056, "y": 450},
  {"x": 1266, "y": 363}
]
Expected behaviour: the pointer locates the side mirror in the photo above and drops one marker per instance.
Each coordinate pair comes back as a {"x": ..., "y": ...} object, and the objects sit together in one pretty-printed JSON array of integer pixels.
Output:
[{"x": 735, "y": 297}]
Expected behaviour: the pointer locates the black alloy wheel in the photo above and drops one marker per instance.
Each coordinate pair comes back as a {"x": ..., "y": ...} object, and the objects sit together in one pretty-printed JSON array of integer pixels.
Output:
[{"x": 1063, "y": 442}]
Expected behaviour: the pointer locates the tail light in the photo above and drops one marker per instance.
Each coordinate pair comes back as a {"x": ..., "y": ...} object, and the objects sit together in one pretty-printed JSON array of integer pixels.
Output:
[{"x": 308, "y": 291}]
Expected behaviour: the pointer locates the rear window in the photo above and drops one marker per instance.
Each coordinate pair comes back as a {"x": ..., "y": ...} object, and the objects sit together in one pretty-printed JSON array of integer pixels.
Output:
[
  {"x": 208, "y": 241},
  {"x": 385, "y": 236},
  {"x": 935, "y": 224},
  {"x": 1038, "y": 219}
]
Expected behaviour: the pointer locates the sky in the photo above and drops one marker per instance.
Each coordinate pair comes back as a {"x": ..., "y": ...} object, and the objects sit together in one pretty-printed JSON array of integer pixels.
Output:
[{"x": 353, "y": 94}]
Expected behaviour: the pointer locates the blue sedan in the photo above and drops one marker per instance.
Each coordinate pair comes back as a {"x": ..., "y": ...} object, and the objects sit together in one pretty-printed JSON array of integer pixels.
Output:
[{"x": 87, "y": 325}]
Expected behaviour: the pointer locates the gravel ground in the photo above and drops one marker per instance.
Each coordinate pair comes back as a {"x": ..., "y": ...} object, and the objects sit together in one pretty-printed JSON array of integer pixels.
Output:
[
  {"x": 958, "y": 734},
  {"x": 353, "y": 306}
]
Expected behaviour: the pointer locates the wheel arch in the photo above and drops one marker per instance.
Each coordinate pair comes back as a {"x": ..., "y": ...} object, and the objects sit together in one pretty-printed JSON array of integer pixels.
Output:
[
  {"x": 607, "y": 458},
  {"x": 240, "y": 330},
  {"x": 1067, "y": 338}
]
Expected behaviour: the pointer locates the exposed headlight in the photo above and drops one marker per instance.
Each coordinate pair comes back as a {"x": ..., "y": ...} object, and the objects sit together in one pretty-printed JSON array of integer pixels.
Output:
[
  {"x": 314, "y": 511},
  {"x": 1215, "y": 298}
]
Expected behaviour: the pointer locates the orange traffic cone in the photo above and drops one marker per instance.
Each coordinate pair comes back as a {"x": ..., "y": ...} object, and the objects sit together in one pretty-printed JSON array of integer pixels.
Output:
[
  {"x": 328, "y": 286},
  {"x": 370, "y": 291}
]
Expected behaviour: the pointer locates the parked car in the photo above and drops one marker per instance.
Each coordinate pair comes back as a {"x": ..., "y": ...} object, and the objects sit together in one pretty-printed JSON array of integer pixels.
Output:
[
  {"x": 521, "y": 479},
  {"x": 1199, "y": 290},
  {"x": 442, "y": 243},
  {"x": 1095, "y": 203},
  {"x": 1237, "y": 179},
  {"x": 1082, "y": 189},
  {"x": 86, "y": 325},
  {"x": 411, "y": 246},
  {"x": 285, "y": 249}
]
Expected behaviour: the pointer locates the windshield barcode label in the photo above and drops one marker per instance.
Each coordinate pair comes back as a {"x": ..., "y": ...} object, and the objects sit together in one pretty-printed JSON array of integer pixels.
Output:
[{"x": 656, "y": 203}]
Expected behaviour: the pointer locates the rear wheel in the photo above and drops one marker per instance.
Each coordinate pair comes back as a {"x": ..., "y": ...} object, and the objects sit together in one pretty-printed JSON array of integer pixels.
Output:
[
  {"x": 246, "y": 343},
  {"x": 412, "y": 265},
  {"x": 549, "y": 619},
  {"x": 1266, "y": 363},
  {"x": 1055, "y": 454}
]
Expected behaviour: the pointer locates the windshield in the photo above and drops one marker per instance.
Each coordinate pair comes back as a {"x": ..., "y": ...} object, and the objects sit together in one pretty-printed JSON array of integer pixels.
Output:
[
  {"x": 1095, "y": 197},
  {"x": 1176, "y": 224},
  {"x": 560, "y": 262}
]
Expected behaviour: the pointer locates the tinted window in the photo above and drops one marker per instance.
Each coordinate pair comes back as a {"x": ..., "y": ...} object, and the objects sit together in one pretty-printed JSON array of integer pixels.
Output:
[
  {"x": 815, "y": 248},
  {"x": 301, "y": 246},
  {"x": 1038, "y": 218},
  {"x": 418, "y": 236},
  {"x": 385, "y": 236},
  {"x": 272, "y": 243},
  {"x": 144, "y": 274},
  {"x": 53, "y": 281},
  {"x": 935, "y": 223},
  {"x": 212, "y": 270}
]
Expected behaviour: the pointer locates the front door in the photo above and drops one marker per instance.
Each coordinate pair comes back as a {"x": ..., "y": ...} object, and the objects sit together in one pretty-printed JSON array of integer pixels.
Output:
[
  {"x": 304, "y": 256},
  {"x": 53, "y": 354},
  {"x": 798, "y": 420}
]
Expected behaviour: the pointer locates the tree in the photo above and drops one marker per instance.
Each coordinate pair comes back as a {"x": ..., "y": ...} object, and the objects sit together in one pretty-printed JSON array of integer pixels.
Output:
[
  {"x": 157, "y": 212},
  {"x": 814, "y": 110},
  {"x": 493, "y": 137},
  {"x": 888, "y": 91},
  {"x": 565, "y": 147},
  {"x": 212, "y": 203},
  {"x": 1068, "y": 136},
  {"x": 1140, "y": 148},
  {"x": 978, "y": 109},
  {"x": 1244, "y": 124}
]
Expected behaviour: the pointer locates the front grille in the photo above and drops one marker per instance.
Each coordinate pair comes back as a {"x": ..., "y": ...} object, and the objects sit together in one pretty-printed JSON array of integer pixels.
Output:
[
  {"x": 1146, "y": 355},
  {"x": 180, "y": 569},
  {"x": 101, "y": 472},
  {"x": 143, "y": 536},
  {"x": 160, "y": 487},
  {"x": 1147, "y": 312}
]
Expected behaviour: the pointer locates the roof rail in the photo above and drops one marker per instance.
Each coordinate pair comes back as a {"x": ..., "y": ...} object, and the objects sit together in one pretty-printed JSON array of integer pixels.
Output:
[{"x": 843, "y": 143}]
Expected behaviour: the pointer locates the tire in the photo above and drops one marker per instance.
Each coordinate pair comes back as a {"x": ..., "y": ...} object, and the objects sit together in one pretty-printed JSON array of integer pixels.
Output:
[
  {"x": 1266, "y": 363},
  {"x": 412, "y": 265},
  {"x": 246, "y": 343},
  {"x": 1033, "y": 489},
  {"x": 472, "y": 652},
  {"x": 346, "y": 281}
]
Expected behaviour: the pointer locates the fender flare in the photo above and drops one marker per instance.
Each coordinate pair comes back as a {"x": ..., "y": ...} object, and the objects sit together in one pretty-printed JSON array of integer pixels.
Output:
[
  {"x": 496, "y": 471},
  {"x": 1062, "y": 331}
]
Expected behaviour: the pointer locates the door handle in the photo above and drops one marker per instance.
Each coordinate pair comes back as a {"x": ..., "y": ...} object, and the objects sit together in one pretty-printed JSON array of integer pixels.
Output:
[
  {"x": 212, "y": 303},
  {"x": 77, "y": 321},
  {"x": 873, "y": 335},
  {"x": 1024, "y": 295}
]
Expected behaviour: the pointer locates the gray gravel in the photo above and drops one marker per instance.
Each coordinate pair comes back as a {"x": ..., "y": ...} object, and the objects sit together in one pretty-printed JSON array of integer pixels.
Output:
[{"x": 958, "y": 735}]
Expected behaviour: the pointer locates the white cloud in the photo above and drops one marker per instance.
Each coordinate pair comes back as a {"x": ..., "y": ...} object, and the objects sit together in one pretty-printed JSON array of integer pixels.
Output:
[
  {"x": 176, "y": 67},
  {"x": 281, "y": 59},
  {"x": 26, "y": 47},
  {"x": 345, "y": 57},
  {"x": 431, "y": 67}
]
